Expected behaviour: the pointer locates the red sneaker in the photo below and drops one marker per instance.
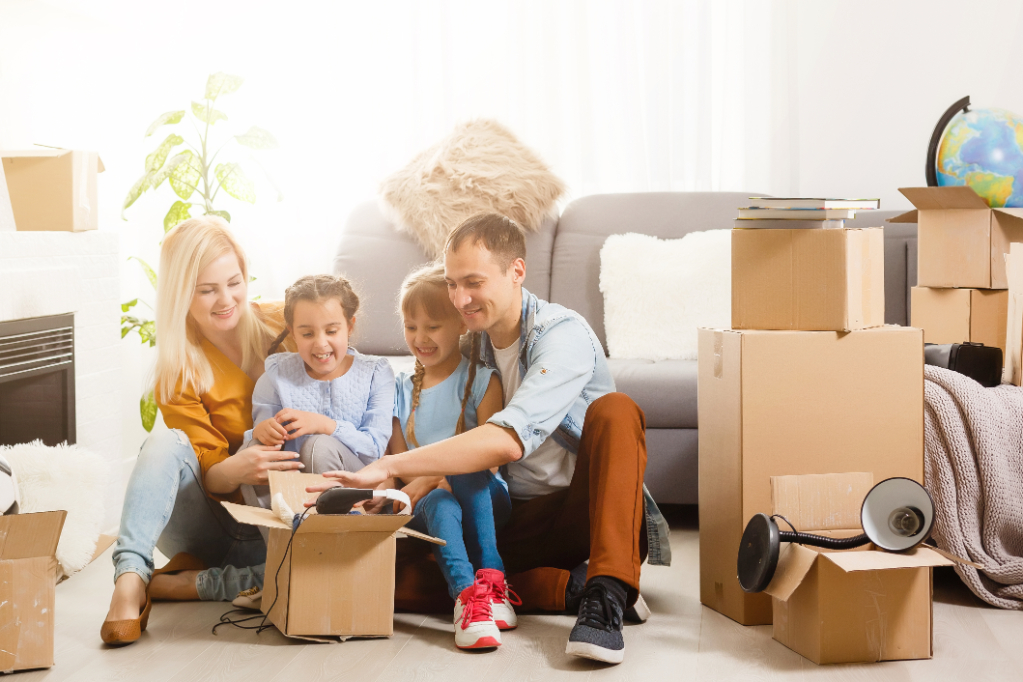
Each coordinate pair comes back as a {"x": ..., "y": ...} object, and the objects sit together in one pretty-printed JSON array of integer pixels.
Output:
[
  {"x": 501, "y": 598},
  {"x": 474, "y": 623}
]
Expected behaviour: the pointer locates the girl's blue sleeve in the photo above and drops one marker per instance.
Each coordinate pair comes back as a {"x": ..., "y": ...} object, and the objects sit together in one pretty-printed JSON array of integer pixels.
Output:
[
  {"x": 266, "y": 401},
  {"x": 369, "y": 439}
]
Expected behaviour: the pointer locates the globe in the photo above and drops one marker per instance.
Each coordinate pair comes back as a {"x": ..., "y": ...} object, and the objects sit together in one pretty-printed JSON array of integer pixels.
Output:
[{"x": 983, "y": 149}]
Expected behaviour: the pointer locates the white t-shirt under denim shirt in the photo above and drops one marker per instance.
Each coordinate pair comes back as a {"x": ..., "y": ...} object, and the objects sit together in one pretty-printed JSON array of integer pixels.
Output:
[{"x": 550, "y": 467}]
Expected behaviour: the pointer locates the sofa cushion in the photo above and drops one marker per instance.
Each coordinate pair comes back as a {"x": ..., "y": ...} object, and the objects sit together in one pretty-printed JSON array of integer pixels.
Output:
[
  {"x": 665, "y": 390},
  {"x": 587, "y": 222},
  {"x": 376, "y": 257}
]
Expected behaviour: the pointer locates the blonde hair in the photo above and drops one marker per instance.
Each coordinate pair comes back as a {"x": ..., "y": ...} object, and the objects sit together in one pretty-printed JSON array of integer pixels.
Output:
[
  {"x": 316, "y": 288},
  {"x": 187, "y": 250},
  {"x": 427, "y": 289}
]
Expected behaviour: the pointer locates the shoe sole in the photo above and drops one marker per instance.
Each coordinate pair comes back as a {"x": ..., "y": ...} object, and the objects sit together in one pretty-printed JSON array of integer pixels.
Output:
[
  {"x": 638, "y": 612},
  {"x": 594, "y": 652},
  {"x": 501, "y": 625},
  {"x": 482, "y": 643}
]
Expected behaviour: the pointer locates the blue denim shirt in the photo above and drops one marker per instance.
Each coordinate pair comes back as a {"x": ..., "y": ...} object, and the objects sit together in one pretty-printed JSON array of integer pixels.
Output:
[{"x": 563, "y": 370}]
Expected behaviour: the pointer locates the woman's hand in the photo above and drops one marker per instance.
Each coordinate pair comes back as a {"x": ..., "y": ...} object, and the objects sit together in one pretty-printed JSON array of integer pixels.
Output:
[
  {"x": 270, "y": 432},
  {"x": 418, "y": 488},
  {"x": 251, "y": 466},
  {"x": 297, "y": 423},
  {"x": 369, "y": 477}
]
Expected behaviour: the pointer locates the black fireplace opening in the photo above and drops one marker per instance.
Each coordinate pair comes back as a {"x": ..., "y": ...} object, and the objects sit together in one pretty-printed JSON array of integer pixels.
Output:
[{"x": 37, "y": 380}]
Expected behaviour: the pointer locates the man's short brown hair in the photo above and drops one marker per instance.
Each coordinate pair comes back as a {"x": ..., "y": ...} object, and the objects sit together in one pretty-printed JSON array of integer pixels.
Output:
[{"x": 501, "y": 236}]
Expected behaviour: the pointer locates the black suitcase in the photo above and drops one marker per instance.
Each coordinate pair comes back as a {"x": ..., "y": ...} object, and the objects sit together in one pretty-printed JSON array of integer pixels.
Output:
[{"x": 981, "y": 363}]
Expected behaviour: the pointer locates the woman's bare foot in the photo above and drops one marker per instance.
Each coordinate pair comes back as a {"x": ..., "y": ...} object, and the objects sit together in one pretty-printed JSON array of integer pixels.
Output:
[
  {"x": 174, "y": 587},
  {"x": 129, "y": 598}
]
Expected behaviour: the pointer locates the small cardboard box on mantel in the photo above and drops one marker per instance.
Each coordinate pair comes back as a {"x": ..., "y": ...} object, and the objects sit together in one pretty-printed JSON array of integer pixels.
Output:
[
  {"x": 961, "y": 241},
  {"x": 53, "y": 189},
  {"x": 28, "y": 575},
  {"x": 337, "y": 578},
  {"x": 847, "y": 606}
]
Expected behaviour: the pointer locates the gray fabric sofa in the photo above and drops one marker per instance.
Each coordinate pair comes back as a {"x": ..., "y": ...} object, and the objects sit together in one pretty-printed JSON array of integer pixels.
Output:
[{"x": 563, "y": 266}]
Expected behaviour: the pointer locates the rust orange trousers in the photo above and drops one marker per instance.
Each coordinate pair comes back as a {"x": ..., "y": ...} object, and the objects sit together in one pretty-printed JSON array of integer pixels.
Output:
[{"x": 598, "y": 517}]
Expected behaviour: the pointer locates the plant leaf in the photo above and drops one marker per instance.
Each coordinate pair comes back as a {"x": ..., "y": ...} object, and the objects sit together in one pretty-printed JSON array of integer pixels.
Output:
[
  {"x": 185, "y": 176},
  {"x": 235, "y": 182},
  {"x": 257, "y": 138},
  {"x": 125, "y": 307},
  {"x": 223, "y": 214},
  {"x": 221, "y": 83},
  {"x": 207, "y": 114},
  {"x": 147, "y": 408},
  {"x": 147, "y": 332},
  {"x": 168, "y": 168},
  {"x": 169, "y": 118},
  {"x": 155, "y": 160},
  {"x": 178, "y": 213},
  {"x": 150, "y": 273},
  {"x": 140, "y": 186}
]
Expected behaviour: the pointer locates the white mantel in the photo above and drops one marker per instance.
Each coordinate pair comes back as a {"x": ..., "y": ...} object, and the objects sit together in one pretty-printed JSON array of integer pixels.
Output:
[{"x": 52, "y": 273}]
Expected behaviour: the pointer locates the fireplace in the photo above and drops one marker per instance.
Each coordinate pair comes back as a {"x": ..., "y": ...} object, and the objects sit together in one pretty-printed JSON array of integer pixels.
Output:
[{"x": 37, "y": 380}]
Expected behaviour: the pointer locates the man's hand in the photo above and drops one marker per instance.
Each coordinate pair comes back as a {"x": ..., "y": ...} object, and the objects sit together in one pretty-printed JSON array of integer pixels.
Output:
[
  {"x": 270, "y": 432},
  {"x": 297, "y": 423},
  {"x": 369, "y": 477}
]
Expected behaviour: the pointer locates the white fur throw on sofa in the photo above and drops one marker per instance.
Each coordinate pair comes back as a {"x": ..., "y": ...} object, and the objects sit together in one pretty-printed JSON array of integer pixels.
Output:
[
  {"x": 658, "y": 292},
  {"x": 63, "y": 477},
  {"x": 480, "y": 167}
]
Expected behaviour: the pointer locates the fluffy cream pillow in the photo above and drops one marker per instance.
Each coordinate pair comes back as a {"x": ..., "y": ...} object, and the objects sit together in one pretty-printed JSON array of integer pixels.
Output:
[
  {"x": 657, "y": 292},
  {"x": 480, "y": 167}
]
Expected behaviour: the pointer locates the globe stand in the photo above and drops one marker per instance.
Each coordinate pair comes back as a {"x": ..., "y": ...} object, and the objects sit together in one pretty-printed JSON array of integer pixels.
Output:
[{"x": 939, "y": 130}]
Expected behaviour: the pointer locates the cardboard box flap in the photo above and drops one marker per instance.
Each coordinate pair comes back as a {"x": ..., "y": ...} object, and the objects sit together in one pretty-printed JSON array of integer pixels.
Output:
[
  {"x": 921, "y": 557},
  {"x": 254, "y": 516},
  {"x": 821, "y": 501},
  {"x": 1014, "y": 215},
  {"x": 940, "y": 198},
  {"x": 908, "y": 217},
  {"x": 44, "y": 151},
  {"x": 794, "y": 562},
  {"x": 24, "y": 536},
  {"x": 292, "y": 485}
]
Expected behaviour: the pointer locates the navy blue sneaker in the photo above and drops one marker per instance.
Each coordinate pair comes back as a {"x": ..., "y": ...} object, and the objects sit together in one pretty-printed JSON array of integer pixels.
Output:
[{"x": 597, "y": 634}]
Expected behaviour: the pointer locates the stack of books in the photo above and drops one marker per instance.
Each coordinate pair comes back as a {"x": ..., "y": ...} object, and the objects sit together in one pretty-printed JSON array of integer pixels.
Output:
[{"x": 787, "y": 213}]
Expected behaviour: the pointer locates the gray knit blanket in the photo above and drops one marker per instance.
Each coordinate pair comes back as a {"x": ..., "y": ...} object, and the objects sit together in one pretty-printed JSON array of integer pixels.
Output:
[{"x": 973, "y": 439}]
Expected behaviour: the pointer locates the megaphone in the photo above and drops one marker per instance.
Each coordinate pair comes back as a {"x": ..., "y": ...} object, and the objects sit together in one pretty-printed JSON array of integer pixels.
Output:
[{"x": 897, "y": 515}]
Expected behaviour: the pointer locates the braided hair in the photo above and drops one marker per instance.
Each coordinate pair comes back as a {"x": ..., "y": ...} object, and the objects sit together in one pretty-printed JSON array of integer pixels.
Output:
[
  {"x": 316, "y": 288},
  {"x": 426, "y": 288}
]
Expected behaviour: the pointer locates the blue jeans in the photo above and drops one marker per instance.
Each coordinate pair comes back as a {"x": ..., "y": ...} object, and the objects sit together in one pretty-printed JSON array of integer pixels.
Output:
[
  {"x": 467, "y": 518},
  {"x": 165, "y": 506}
]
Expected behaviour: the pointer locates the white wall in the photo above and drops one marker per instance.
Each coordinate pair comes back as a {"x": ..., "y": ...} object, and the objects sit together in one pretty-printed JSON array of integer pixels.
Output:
[{"x": 804, "y": 97}]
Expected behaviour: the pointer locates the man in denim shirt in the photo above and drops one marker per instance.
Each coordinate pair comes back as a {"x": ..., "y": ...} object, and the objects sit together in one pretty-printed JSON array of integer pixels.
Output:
[{"x": 572, "y": 450}]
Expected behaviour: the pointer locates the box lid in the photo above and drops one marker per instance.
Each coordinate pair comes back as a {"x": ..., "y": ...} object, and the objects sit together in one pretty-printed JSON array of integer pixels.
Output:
[
  {"x": 293, "y": 486},
  {"x": 24, "y": 536},
  {"x": 878, "y": 560},
  {"x": 45, "y": 151},
  {"x": 943, "y": 198}
]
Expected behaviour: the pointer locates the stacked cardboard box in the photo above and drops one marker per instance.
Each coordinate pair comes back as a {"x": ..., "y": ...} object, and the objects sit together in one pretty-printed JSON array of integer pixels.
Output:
[
  {"x": 962, "y": 242},
  {"x": 819, "y": 387}
]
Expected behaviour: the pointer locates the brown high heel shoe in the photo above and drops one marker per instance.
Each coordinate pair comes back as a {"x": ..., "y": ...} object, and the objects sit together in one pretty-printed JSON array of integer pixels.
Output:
[{"x": 121, "y": 632}]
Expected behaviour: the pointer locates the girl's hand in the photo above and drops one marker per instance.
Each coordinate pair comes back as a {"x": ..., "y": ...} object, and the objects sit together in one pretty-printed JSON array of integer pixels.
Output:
[
  {"x": 376, "y": 505},
  {"x": 253, "y": 465},
  {"x": 270, "y": 432},
  {"x": 418, "y": 488},
  {"x": 298, "y": 423},
  {"x": 368, "y": 477}
]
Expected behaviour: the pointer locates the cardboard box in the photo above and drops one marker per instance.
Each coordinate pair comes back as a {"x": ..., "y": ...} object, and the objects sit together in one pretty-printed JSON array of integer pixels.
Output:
[
  {"x": 53, "y": 189},
  {"x": 847, "y": 606},
  {"x": 776, "y": 403},
  {"x": 958, "y": 315},
  {"x": 961, "y": 242},
  {"x": 808, "y": 279},
  {"x": 28, "y": 576},
  {"x": 1013, "y": 371},
  {"x": 337, "y": 580}
]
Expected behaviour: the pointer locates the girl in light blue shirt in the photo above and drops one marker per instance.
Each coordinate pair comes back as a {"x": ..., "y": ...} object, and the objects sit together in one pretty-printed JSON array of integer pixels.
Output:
[
  {"x": 446, "y": 395},
  {"x": 328, "y": 403}
]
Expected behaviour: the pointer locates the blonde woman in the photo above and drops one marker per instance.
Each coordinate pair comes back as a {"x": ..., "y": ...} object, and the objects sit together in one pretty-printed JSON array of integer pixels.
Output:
[{"x": 213, "y": 343}]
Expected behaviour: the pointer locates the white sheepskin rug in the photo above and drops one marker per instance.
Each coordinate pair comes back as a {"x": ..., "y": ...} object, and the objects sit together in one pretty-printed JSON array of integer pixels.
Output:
[
  {"x": 657, "y": 292},
  {"x": 63, "y": 477},
  {"x": 479, "y": 168}
]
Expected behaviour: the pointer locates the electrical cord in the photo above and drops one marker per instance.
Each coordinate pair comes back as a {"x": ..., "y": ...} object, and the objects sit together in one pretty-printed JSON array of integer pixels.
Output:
[{"x": 818, "y": 540}]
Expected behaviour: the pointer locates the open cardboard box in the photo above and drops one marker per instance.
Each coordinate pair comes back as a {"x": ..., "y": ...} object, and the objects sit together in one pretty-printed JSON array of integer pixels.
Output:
[
  {"x": 28, "y": 576},
  {"x": 960, "y": 315},
  {"x": 1013, "y": 371},
  {"x": 847, "y": 606},
  {"x": 961, "y": 241},
  {"x": 337, "y": 580},
  {"x": 53, "y": 189},
  {"x": 814, "y": 280}
]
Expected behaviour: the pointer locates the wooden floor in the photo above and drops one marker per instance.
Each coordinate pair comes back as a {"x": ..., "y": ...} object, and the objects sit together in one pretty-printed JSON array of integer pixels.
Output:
[{"x": 682, "y": 641}]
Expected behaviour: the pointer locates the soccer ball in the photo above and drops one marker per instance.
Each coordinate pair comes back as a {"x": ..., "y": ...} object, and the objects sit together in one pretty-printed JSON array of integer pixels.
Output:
[{"x": 8, "y": 489}]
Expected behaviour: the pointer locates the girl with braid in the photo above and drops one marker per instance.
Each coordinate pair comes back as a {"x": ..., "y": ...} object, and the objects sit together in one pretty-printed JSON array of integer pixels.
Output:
[
  {"x": 448, "y": 394},
  {"x": 328, "y": 403}
]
